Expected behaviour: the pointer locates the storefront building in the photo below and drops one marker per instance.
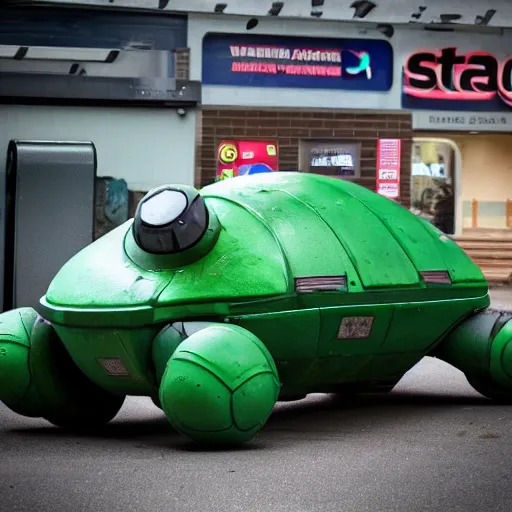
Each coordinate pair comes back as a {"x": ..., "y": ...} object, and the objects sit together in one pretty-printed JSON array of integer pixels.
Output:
[
  {"x": 462, "y": 146},
  {"x": 315, "y": 91},
  {"x": 319, "y": 101},
  {"x": 111, "y": 70},
  {"x": 94, "y": 112},
  {"x": 463, "y": 128}
]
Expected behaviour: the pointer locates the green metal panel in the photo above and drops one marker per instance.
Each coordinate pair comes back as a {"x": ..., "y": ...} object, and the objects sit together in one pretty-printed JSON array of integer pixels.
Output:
[
  {"x": 426, "y": 246},
  {"x": 310, "y": 246},
  {"x": 246, "y": 262},
  {"x": 102, "y": 276},
  {"x": 332, "y": 345},
  {"x": 314, "y": 219},
  {"x": 462, "y": 269},
  {"x": 387, "y": 366},
  {"x": 287, "y": 335},
  {"x": 404, "y": 227},
  {"x": 418, "y": 326},
  {"x": 131, "y": 346}
]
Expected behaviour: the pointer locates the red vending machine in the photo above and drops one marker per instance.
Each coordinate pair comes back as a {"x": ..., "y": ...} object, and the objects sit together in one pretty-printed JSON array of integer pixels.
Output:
[{"x": 241, "y": 157}]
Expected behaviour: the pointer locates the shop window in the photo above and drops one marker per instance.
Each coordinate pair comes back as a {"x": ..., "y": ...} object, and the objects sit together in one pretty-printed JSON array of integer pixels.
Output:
[
  {"x": 334, "y": 158},
  {"x": 432, "y": 183}
]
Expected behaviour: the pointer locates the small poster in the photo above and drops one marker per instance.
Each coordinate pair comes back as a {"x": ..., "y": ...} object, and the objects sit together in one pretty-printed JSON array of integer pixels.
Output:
[
  {"x": 388, "y": 167},
  {"x": 241, "y": 157}
]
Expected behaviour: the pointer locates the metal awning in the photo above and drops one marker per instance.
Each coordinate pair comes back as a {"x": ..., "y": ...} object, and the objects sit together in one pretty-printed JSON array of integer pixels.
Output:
[
  {"x": 491, "y": 13},
  {"x": 76, "y": 89},
  {"x": 92, "y": 75}
]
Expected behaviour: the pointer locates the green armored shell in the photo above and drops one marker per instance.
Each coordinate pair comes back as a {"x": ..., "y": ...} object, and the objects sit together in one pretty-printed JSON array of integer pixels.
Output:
[
  {"x": 317, "y": 268},
  {"x": 214, "y": 303},
  {"x": 278, "y": 237}
]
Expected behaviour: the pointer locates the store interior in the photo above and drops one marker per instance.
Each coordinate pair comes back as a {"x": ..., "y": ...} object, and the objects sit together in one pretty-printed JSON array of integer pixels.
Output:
[{"x": 463, "y": 182}]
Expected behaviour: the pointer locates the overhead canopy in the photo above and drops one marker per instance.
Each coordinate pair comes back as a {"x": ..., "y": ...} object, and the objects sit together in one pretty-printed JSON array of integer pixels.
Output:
[
  {"x": 493, "y": 13},
  {"x": 92, "y": 75}
]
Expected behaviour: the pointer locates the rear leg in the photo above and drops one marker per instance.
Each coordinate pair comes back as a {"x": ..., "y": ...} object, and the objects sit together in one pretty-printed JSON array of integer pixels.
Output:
[
  {"x": 38, "y": 378},
  {"x": 481, "y": 348}
]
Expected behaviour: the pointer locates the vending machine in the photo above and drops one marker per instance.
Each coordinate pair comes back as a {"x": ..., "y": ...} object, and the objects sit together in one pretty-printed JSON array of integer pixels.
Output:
[{"x": 242, "y": 157}]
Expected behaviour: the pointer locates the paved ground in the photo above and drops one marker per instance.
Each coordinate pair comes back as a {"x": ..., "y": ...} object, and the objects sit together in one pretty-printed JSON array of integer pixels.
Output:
[
  {"x": 502, "y": 297},
  {"x": 432, "y": 445}
]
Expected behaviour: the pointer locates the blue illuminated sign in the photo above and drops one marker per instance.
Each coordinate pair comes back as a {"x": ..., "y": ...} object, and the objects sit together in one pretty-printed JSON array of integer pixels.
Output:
[{"x": 299, "y": 62}]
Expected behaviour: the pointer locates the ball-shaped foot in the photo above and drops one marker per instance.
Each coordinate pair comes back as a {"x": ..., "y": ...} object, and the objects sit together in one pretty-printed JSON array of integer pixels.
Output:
[
  {"x": 38, "y": 378},
  {"x": 15, "y": 375},
  {"x": 220, "y": 386}
]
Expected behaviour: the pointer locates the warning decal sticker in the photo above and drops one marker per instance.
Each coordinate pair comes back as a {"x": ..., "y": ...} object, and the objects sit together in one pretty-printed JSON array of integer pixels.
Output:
[{"x": 355, "y": 327}]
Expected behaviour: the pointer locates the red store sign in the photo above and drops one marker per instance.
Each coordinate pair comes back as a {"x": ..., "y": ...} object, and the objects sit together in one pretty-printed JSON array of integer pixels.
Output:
[
  {"x": 388, "y": 167},
  {"x": 446, "y": 74}
]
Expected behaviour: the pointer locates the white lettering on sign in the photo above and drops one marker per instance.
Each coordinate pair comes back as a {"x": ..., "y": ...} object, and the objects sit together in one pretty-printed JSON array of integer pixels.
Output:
[
  {"x": 282, "y": 69},
  {"x": 260, "y": 52},
  {"x": 387, "y": 174},
  {"x": 463, "y": 121},
  {"x": 300, "y": 54},
  {"x": 471, "y": 120},
  {"x": 355, "y": 327}
]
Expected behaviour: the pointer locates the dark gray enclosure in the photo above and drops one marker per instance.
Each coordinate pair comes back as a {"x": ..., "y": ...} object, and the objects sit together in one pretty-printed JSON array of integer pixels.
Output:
[{"x": 49, "y": 214}]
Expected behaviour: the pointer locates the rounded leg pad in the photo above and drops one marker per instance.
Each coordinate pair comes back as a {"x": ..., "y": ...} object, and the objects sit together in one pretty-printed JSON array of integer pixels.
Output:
[
  {"x": 220, "y": 385},
  {"x": 38, "y": 378},
  {"x": 15, "y": 376}
]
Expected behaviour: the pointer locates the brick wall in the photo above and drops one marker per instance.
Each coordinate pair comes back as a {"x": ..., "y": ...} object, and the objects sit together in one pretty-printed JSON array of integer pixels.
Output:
[{"x": 289, "y": 126}]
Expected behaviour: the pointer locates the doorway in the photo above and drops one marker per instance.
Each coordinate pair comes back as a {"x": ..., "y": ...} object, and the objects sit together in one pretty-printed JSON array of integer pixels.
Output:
[
  {"x": 435, "y": 182},
  {"x": 486, "y": 181}
]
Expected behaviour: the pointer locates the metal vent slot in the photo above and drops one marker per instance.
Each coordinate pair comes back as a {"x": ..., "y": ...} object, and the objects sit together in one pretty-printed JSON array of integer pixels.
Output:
[
  {"x": 320, "y": 284},
  {"x": 436, "y": 277}
]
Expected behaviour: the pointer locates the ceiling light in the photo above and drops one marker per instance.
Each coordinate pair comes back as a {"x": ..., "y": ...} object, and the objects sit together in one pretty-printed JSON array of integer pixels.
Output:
[
  {"x": 276, "y": 8},
  {"x": 253, "y": 22},
  {"x": 362, "y": 8},
  {"x": 484, "y": 20},
  {"x": 417, "y": 15},
  {"x": 219, "y": 8},
  {"x": 316, "y": 8},
  {"x": 448, "y": 18},
  {"x": 387, "y": 30}
]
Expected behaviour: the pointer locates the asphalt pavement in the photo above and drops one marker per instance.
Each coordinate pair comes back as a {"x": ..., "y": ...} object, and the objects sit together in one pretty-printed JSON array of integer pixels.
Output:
[{"x": 433, "y": 444}]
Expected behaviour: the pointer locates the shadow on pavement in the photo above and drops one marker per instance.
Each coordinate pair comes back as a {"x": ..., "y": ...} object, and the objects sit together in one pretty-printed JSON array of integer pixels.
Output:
[{"x": 328, "y": 414}]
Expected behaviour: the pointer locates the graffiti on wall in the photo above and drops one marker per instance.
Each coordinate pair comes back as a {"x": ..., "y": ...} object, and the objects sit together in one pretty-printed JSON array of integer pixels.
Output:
[{"x": 112, "y": 205}]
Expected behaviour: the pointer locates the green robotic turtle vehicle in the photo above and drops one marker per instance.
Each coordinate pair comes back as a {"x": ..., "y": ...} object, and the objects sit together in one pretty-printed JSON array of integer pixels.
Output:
[{"x": 217, "y": 303}]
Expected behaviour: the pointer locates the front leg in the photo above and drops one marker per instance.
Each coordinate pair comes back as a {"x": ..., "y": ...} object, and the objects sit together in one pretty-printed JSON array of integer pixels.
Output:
[{"x": 219, "y": 383}]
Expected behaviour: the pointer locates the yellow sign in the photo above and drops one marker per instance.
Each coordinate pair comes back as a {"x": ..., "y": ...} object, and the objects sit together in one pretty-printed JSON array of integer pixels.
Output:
[
  {"x": 228, "y": 153},
  {"x": 226, "y": 173}
]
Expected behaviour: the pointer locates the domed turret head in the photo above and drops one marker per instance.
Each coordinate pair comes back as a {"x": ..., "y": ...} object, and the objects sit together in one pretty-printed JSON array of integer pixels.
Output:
[{"x": 172, "y": 226}]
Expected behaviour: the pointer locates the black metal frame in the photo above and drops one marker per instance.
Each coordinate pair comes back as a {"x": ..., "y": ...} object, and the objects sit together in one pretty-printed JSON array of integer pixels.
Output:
[{"x": 55, "y": 89}]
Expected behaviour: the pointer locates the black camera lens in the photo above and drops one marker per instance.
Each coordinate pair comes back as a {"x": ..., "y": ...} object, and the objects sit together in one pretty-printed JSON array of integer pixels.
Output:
[{"x": 168, "y": 221}]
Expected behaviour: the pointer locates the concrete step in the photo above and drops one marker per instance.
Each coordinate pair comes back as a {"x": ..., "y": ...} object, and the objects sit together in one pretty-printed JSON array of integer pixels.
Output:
[
  {"x": 487, "y": 234},
  {"x": 490, "y": 263},
  {"x": 492, "y": 255},
  {"x": 494, "y": 277},
  {"x": 495, "y": 245},
  {"x": 491, "y": 250}
]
